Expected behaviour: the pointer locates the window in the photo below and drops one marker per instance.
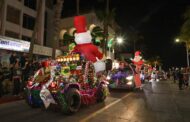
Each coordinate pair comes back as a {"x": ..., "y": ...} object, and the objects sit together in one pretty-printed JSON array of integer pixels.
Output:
[
  {"x": 30, "y": 3},
  {"x": 26, "y": 38},
  {"x": 28, "y": 22},
  {"x": 13, "y": 15},
  {"x": 11, "y": 34}
]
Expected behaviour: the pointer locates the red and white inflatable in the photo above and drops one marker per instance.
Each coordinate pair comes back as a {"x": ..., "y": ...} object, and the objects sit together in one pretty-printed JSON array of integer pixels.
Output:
[
  {"x": 84, "y": 44},
  {"x": 138, "y": 62}
]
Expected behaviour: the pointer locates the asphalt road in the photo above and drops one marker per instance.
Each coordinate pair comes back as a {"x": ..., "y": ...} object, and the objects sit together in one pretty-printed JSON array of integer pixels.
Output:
[{"x": 158, "y": 102}]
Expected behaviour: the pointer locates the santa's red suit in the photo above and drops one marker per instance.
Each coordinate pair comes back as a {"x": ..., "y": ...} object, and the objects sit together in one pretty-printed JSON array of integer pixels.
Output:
[
  {"x": 89, "y": 51},
  {"x": 83, "y": 40}
]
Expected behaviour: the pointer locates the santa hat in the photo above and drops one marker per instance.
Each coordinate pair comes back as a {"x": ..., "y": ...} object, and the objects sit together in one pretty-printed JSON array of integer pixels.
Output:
[
  {"x": 80, "y": 24},
  {"x": 82, "y": 36},
  {"x": 137, "y": 53}
]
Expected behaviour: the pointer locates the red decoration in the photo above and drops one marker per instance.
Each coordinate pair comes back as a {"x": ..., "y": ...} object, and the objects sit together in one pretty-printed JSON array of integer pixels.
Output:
[
  {"x": 90, "y": 51},
  {"x": 80, "y": 24},
  {"x": 138, "y": 63},
  {"x": 84, "y": 41}
]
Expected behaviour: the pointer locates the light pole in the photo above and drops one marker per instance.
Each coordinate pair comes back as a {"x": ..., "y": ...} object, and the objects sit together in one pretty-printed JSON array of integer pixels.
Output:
[
  {"x": 112, "y": 42},
  {"x": 187, "y": 50},
  {"x": 119, "y": 41}
]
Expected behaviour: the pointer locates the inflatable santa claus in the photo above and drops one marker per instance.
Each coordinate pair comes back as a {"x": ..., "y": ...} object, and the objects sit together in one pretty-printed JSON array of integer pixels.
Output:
[
  {"x": 138, "y": 62},
  {"x": 85, "y": 46}
]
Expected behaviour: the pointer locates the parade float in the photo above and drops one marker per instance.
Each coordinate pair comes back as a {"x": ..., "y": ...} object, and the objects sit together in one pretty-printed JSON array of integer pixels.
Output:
[
  {"x": 121, "y": 77},
  {"x": 71, "y": 80},
  {"x": 68, "y": 82}
]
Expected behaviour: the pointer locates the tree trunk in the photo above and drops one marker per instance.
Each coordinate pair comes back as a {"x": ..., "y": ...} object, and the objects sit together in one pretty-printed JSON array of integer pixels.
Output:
[
  {"x": 106, "y": 28},
  {"x": 57, "y": 17},
  {"x": 2, "y": 2},
  {"x": 78, "y": 5},
  {"x": 35, "y": 30}
]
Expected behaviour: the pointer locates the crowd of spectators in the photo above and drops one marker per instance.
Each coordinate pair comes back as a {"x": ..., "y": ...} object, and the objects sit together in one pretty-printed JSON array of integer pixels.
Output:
[{"x": 14, "y": 77}]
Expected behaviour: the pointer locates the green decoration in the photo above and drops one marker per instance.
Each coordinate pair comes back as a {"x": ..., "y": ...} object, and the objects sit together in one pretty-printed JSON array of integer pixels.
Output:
[
  {"x": 71, "y": 46},
  {"x": 73, "y": 66},
  {"x": 62, "y": 101},
  {"x": 110, "y": 43}
]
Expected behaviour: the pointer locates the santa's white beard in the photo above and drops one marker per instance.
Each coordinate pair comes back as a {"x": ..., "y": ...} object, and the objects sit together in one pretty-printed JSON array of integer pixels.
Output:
[{"x": 83, "y": 38}]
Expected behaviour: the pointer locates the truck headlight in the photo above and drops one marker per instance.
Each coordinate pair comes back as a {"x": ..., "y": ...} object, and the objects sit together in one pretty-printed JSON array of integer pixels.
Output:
[
  {"x": 129, "y": 83},
  {"x": 129, "y": 77}
]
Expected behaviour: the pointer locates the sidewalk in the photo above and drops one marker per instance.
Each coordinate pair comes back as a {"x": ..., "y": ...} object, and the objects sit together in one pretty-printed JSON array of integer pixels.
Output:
[
  {"x": 168, "y": 102},
  {"x": 10, "y": 98}
]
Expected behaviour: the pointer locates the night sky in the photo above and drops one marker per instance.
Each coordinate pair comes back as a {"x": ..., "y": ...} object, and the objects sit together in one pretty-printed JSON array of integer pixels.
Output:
[{"x": 156, "y": 22}]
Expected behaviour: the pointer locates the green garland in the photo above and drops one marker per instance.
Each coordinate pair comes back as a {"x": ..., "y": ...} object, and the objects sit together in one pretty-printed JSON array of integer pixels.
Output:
[{"x": 62, "y": 101}]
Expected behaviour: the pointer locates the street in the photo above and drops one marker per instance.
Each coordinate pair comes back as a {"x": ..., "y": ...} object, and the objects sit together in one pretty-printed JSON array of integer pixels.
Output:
[{"x": 158, "y": 102}]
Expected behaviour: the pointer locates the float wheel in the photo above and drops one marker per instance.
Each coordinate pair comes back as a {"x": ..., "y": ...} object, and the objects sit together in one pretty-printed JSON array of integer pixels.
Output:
[{"x": 73, "y": 100}]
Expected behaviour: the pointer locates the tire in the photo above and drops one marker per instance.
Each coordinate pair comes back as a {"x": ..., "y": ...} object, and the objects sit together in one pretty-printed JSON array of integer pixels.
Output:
[
  {"x": 73, "y": 100},
  {"x": 101, "y": 95}
]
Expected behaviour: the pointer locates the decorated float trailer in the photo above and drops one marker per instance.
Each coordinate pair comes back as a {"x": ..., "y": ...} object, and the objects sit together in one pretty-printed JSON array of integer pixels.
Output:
[{"x": 68, "y": 83}]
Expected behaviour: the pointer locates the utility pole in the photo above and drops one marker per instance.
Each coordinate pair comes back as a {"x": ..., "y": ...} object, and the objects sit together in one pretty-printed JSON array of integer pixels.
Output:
[
  {"x": 187, "y": 52},
  {"x": 78, "y": 5},
  {"x": 106, "y": 27}
]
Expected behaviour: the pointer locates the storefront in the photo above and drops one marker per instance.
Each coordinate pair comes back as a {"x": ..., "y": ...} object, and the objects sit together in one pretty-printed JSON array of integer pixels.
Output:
[
  {"x": 9, "y": 46},
  {"x": 16, "y": 47}
]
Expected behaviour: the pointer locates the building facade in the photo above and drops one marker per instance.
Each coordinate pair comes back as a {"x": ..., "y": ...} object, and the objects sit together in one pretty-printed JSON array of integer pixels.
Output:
[{"x": 19, "y": 19}]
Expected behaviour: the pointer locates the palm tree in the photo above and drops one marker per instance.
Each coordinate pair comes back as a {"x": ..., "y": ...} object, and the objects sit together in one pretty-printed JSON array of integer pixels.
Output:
[
  {"x": 78, "y": 5},
  {"x": 185, "y": 29},
  {"x": 2, "y": 2},
  {"x": 57, "y": 17},
  {"x": 35, "y": 30},
  {"x": 154, "y": 61},
  {"x": 107, "y": 18}
]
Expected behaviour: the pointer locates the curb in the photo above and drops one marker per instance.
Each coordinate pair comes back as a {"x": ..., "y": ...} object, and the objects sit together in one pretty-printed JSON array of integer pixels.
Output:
[{"x": 4, "y": 100}]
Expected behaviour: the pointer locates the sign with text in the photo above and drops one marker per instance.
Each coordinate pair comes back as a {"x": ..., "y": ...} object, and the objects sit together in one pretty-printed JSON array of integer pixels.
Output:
[{"x": 14, "y": 44}]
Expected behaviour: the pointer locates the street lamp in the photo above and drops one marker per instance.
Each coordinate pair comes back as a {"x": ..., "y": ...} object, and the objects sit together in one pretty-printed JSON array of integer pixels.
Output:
[
  {"x": 119, "y": 40},
  {"x": 187, "y": 51},
  {"x": 177, "y": 40},
  {"x": 112, "y": 42}
]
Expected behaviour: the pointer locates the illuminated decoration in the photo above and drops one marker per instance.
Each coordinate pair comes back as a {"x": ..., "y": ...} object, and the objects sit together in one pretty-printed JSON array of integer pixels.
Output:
[
  {"x": 14, "y": 44},
  {"x": 53, "y": 84},
  {"x": 65, "y": 71},
  {"x": 66, "y": 76},
  {"x": 68, "y": 58},
  {"x": 110, "y": 43},
  {"x": 59, "y": 60}
]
